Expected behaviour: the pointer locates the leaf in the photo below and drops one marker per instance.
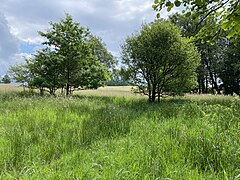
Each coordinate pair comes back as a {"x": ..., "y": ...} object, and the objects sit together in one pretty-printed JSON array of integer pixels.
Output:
[
  {"x": 226, "y": 25},
  {"x": 169, "y": 9},
  {"x": 168, "y": 4},
  {"x": 158, "y": 15},
  {"x": 155, "y": 1},
  {"x": 154, "y": 7},
  {"x": 177, "y": 3},
  {"x": 231, "y": 34},
  {"x": 237, "y": 28},
  {"x": 198, "y": 2},
  {"x": 188, "y": 14}
]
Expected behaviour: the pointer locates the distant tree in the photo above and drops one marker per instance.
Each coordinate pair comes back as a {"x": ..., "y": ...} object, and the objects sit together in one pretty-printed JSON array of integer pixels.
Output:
[
  {"x": 80, "y": 65},
  {"x": 117, "y": 79},
  {"x": 158, "y": 59},
  {"x": 6, "y": 79}
]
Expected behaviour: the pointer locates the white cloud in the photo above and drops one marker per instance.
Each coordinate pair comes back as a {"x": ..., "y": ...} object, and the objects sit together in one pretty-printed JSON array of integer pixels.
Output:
[
  {"x": 9, "y": 45},
  {"x": 113, "y": 20}
]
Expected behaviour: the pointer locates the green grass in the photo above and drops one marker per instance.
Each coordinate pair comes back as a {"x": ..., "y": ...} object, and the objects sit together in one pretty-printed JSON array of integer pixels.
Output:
[{"x": 101, "y": 137}]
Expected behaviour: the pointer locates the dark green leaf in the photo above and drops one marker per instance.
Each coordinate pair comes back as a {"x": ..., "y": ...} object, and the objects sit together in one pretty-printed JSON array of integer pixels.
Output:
[
  {"x": 188, "y": 14},
  {"x": 177, "y": 3}
]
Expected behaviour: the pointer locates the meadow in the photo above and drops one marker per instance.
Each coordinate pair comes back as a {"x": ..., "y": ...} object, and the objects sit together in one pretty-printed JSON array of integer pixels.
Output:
[{"x": 112, "y": 133}]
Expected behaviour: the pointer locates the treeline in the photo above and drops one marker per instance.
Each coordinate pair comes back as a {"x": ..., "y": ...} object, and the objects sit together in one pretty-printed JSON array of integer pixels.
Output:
[
  {"x": 219, "y": 70},
  {"x": 167, "y": 56}
]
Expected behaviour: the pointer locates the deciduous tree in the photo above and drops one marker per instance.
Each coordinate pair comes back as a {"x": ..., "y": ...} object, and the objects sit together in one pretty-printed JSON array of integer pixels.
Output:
[
  {"x": 225, "y": 13},
  {"x": 81, "y": 65},
  {"x": 159, "y": 59},
  {"x": 6, "y": 79}
]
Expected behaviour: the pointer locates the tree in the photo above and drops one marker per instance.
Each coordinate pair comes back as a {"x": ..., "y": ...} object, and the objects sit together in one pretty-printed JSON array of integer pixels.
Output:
[
  {"x": 230, "y": 68},
  {"x": 117, "y": 79},
  {"x": 46, "y": 70},
  {"x": 6, "y": 79},
  {"x": 80, "y": 66},
  {"x": 226, "y": 14},
  {"x": 20, "y": 73},
  {"x": 71, "y": 57},
  {"x": 208, "y": 69},
  {"x": 100, "y": 51},
  {"x": 159, "y": 59}
]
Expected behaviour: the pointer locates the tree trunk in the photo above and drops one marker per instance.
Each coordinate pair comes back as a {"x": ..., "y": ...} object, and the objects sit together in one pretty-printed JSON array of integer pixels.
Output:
[
  {"x": 67, "y": 89},
  {"x": 159, "y": 94},
  {"x": 41, "y": 91},
  {"x": 206, "y": 84},
  {"x": 154, "y": 92}
]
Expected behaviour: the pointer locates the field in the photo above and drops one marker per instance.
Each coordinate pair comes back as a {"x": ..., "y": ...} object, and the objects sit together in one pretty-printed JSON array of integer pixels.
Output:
[{"x": 112, "y": 133}]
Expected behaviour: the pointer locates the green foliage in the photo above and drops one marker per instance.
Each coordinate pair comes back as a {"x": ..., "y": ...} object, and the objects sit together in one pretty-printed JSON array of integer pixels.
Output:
[
  {"x": 100, "y": 51},
  {"x": 71, "y": 58},
  {"x": 194, "y": 137},
  {"x": 117, "y": 79},
  {"x": 208, "y": 71},
  {"x": 81, "y": 65},
  {"x": 20, "y": 73},
  {"x": 226, "y": 14},
  {"x": 6, "y": 79},
  {"x": 159, "y": 60},
  {"x": 230, "y": 68}
]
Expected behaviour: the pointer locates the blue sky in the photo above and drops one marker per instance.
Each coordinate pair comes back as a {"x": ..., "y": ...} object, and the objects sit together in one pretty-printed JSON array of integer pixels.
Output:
[
  {"x": 112, "y": 20},
  {"x": 28, "y": 48}
]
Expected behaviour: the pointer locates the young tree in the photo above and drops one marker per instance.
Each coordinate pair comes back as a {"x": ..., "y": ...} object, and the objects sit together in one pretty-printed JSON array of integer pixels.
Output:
[
  {"x": 46, "y": 70},
  {"x": 80, "y": 66},
  {"x": 72, "y": 57},
  {"x": 159, "y": 59}
]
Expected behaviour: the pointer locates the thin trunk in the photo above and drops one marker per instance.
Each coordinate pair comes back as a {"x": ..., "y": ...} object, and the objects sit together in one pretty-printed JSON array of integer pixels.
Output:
[
  {"x": 67, "y": 89},
  {"x": 159, "y": 93},
  {"x": 206, "y": 86},
  {"x": 41, "y": 91},
  {"x": 203, "y": 86},
  {"x": 214, "y": 82}
]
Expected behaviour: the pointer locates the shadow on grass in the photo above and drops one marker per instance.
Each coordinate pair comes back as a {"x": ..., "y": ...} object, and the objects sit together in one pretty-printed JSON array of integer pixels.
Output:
[{"x": 114, "y": 118}]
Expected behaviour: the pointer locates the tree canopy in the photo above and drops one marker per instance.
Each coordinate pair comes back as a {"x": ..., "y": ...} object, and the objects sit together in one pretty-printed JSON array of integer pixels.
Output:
[
  {"x": 6, "y": 79},
  {"x": 224, "y": 13},
  {"x": 159, "y": 59}
]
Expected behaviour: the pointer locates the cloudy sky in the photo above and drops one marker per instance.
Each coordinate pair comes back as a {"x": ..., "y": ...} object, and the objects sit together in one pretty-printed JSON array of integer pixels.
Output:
[{"x": 112, "y": 20}]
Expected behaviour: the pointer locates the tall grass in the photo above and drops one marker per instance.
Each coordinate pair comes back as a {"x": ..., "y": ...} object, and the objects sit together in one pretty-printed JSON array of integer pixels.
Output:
[{"x": 94, "y": 137}]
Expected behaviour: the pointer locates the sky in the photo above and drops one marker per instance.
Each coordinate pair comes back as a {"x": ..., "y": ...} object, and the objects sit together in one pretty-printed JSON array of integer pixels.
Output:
[{"x": 112, "y": 20}]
